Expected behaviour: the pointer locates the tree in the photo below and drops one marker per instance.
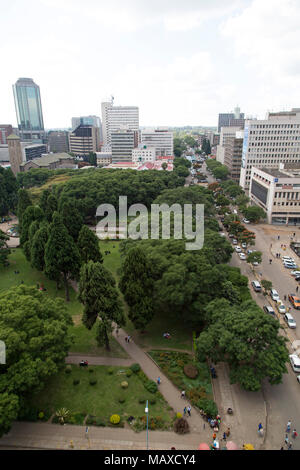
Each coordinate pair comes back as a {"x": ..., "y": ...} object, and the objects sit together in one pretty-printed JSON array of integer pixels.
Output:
[
  {"x": 99, "y": 295},
  {"x": 51, "y": 207},
  {"x": 92, "y": 159},
  {"x": 254, "y": 213},
  {"x": 72, "y": 218},
  {"x": 221, "y": 172},
  {"x": 88, "y": 246},
  {"x": 4, "y": 250},
  {"x": 24, "y": 201},
  {"x": 137, "y": 286},
  {"x": 247, "y": 339},
  {"x": 38, "y": 246},
  {"x": 31, "y": 214},
  {"x": 62, "y": 257},
  {"x": 267, "y": 285},
  {"x": 164, "y": 165},
  {"x": 35, "y": 329},
  {"x": 254, "y": 257}
]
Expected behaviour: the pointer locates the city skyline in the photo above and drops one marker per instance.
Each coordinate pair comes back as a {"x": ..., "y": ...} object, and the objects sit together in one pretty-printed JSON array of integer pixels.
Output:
[{"x": 180, "y": 63}]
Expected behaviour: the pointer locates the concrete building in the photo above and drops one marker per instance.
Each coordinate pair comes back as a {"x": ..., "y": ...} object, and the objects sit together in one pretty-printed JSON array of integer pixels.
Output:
[
  {"x": 33, "y": 151},
  {"x": 160, "y": 138},
  {"x": 143, "y": 153},
  {"x": 83, "y": 140},
  {"x": 277, "y": 191},
  {"x": 233, "y": 149},
  {"x": 50, "y": 161},
  {"x": 269, "y": 142},
  {"x": 226, "y": 132},
  {"x": 104, "y": 158},
  {"x": 123, "y": 141},
  {"x": 58, "y": 141},
  {"x": 29, "y": 109},
  {"x": 5, "y": 131},
  {"x": 15, "y": 153},
  {"x": 118, "y": 117},
  {"x": 90, "y": 121},
  {"x": 229, "y": 119}
]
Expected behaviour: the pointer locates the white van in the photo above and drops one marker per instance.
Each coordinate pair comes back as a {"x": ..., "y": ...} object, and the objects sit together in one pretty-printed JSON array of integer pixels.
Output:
[
  {"x": 274, "y": 295},
  {"x": 295, "y": 362},
  {"x": 256, "y": 286}
]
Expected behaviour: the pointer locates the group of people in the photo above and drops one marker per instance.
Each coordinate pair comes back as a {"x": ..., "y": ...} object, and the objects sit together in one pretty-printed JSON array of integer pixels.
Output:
[
  {"x": 128, "y": 339},
  {"x": 287, "y": 431},
  {"x": 187, "y": 410},
  {"x": 167, "y": 335}
]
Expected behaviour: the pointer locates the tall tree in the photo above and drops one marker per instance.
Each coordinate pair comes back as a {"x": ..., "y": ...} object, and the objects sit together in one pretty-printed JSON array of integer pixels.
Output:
[
  {"x": 24, "y": 201},
  {"x": 62, "y": 257},
  {"x": 137, "y": 285},
  {"x": 31, "y": 214},
  {"x": 51, "y": 207},
  {"x": 38, "y": 247},
  {"x": 35, "y": 329},
  {"x": 88, "y": 245},
  {"x": 99, "y": 295},
  {"x": 72, "y": 218},
  {"x": 4, "y": 250}
]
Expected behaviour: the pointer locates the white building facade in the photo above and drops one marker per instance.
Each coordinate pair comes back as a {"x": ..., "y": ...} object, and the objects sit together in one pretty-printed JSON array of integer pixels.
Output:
[
  {"x": 160, "y": 138},
  {"x": 143, "y": 153},
  {"x": 269, "y": 142},
  {"x": 277, "y": 191},
  {"x": 118, "y": 117},
  {"x": 123, "y": 141}
]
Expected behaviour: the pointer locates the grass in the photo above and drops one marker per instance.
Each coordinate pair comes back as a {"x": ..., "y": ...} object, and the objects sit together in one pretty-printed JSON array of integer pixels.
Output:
[
  {"x": 102, "y": 399},
  {"x": 36, "y": 191}
]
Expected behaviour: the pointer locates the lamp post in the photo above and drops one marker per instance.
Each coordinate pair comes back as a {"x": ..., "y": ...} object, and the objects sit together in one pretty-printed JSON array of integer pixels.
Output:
[{"x": 146, "y": 411}]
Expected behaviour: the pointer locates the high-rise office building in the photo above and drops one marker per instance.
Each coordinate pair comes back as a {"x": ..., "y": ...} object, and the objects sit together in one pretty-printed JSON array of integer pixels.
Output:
[
  {"x": 83, "y": 140},
  {"x": 90, "y": 121},
  {"x": 160, "y": 138},
  {"x": 118, "y": 117},
  {"x": 123, "y": 141},
  {"x": 5, "y": 131},
  {"x": 231, "y": 119},
  {"x": 233, "y": 149},
  {"x": 269, "y": 142},
  {"x": 58, "y": 141},
  {"x": 29, "y": 109}
]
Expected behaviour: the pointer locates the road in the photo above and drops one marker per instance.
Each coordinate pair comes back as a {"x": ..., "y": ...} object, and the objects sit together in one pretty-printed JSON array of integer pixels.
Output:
[{"x": 282, "y": 400}]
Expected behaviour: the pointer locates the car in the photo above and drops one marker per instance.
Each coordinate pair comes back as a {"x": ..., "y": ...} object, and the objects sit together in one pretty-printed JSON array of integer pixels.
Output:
[
  {"x": 295, "y": 362},
  {"x": 246, "y": 221},
  {"x": 222, "y": 234},
  {"x": 297, "y": 278},
  {"x": 274, "y": 294},
  {"x": 298, "y": 378},
  {"x": 230, "y": 235},
  {"x": 295, "y": 273},
  {"x": 290, "y": 266},
  {"x": 289, "y": 319},
  {"x": 244, "y": 245},
  {"x": 249, "y": 252},
  {"x": 234, "y": 241},
  {"x": 281, "y": 308},
  {"x": 238, "y": 249},
  {"x": 269, "y": 309},
  {"x": 295, "y": 301},
  {"x": 256, "y": 286},
  {"x": 287, "y": 258},
  {"x": 242, "y": 256}
]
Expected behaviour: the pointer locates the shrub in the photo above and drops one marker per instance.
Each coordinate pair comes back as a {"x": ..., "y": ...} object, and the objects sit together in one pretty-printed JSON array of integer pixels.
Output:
[
  {"x": 110, "y": 371},
  {"x": 91, "y": 371},
  {"x": 208, "y": 406},
  {"x": 152, "y": 401},
  {"x": 124, "y": 384},
  {"x": 41, "y": 415},
  {"x": 142, "y": 400},
  {"x": 129, "y": 373},
  {"x": 100, "y": 422},
  {"x": 121, "y": 399},
  {"x": 151, "y": 386},
  {"x": 93, "y": 381},
  {"x": 190, "y": 371},
  {"x": 135, "y": 368},
  {"x": 181, "y": 426},
  {"x": 178, "y": 415},
  {"x": 68, "y": 369},
  {"x": 76, "y": 381},
  {"x": 115, "y": 419},
  {"x": 90, "y": 420}
]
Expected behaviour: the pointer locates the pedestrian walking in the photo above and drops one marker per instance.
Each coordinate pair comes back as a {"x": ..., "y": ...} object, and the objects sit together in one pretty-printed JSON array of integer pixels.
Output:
[
  {"x": 294, "y": 234},
  {"x": 294, "y": 434},
  {"x": 288, "y": 426},
  {"x": 189, "y": 410},
  {"x": 224, "y": 436},
  {"x": 158, "y": 381},
  {"x": 214, "y": 436},
  {"x": 297, "y": 288},
  {"x": 286, "y": 440},
  {"x": 278, "y": 238},
  {"x": 270, "y": 261},
  {"x": 126, "y": 339},
  {"x": 117, "y": 332},
  {"x": 228, "y": 432},
  {"x": 290, "y": 446},
  {"x": 184, "y": 411},
  {"x": 260, "y": 426},
  {"x": 183, "y": 394}
]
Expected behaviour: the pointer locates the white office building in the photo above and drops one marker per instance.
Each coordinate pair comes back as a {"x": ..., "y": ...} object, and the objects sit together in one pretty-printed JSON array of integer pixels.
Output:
[
  {"x": 269, "y": 142},
  {"x": 143, "y": 154},
  {"x": 160, "y": 138},
  {"x": 277, "y": 191},
  {"x": 226, "y": 132},
  {"x": 118, "y": 117}
]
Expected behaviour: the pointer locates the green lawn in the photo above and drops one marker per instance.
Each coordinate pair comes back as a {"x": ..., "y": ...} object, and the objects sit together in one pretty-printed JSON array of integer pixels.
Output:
[{"x": 102, "y": 399}]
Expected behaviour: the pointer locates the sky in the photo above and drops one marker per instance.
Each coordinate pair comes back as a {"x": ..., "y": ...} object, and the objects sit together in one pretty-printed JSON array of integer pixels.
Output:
[{"x": 182, "y": 62}]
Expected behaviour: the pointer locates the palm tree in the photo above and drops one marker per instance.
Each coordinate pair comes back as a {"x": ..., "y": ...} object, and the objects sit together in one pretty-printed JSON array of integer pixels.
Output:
[{"x": 62, "y": 415}]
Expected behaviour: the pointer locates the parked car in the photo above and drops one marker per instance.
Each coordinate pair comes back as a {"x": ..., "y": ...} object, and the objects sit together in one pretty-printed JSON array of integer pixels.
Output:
[
  {"x": 290, "y": 265},
  {"x": 295, "y": 362},
  {"x": 242, "y": 256},
  {"x": 244, "y": 245},
  {"x": 289, "y": 319},
  {"x": 246, "y": 221},
  {"x": 295, "y": 273},
  {"x": 298, "y": 378},
  {"x": 281, "y": 308},
  {"x": 295, "y": 301},
  {"x": 274, "y": 294},
  {"x": 238, "y": 249},
  {"x": 269, "y": 309},
  {"x": 234, "y": 241},
  {"x": 249, "y": 251},
  {"x": 256, "y": 286}
]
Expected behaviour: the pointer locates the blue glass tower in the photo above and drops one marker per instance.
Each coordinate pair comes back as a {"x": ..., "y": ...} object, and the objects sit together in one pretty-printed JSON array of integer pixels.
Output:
[{"x": 28, "y": 109}]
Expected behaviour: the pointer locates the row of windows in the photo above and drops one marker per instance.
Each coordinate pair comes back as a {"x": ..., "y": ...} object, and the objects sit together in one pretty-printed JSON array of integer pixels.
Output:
[
  {"x": 286, "y": 203},
  {"x": 287, "y": 195},
  {"x": 275, "y": 126}
]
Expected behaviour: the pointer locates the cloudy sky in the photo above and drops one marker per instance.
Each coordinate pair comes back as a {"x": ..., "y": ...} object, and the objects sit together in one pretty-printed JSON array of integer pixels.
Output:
[{"x": 181, "y": 61}]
